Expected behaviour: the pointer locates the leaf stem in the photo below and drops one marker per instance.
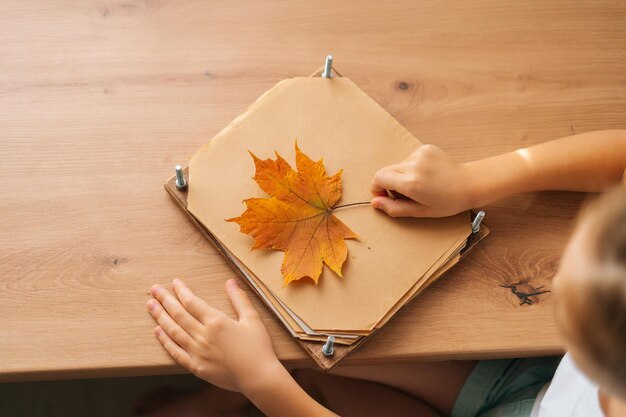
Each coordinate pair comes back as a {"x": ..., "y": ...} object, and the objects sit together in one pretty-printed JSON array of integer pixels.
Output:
[{"x": 348, "y": 205}]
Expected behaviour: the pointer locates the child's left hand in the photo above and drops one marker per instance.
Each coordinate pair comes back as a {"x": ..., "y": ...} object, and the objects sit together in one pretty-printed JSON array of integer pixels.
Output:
[{"x": 232, "y": 354}]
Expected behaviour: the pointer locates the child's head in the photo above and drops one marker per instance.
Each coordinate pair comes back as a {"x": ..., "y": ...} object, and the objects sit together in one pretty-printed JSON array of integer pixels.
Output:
[{"x": 590, "y": 292}]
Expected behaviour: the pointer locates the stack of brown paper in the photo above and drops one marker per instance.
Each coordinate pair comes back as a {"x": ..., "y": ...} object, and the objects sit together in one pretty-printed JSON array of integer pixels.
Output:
[
  {"x": 391, "y": 261},
  {"x": 333, "y": 119}
]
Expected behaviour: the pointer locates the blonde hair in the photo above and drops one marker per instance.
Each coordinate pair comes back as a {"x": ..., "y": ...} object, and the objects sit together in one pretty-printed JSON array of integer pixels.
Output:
[{"x": 600, "y": 312}]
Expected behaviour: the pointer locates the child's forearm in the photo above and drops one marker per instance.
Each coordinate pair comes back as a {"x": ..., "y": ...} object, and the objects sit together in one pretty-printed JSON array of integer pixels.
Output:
[
  {"x": 282, "y": 396},
  {"x": 586, "y": 162}
]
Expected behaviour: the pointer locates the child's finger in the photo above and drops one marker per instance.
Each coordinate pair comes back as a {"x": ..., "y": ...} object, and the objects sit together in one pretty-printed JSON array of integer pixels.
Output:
[
  {"x": 386, "y": 179},
  {"x": 377, "y": 192},
  {"x": 174, "y": 331},
  {"x": 175, "y": 309},
  {"x": 192, "y": 303},
  {"x": 175, "y": 351},
  {"x": 400, "y": 207},
  {"x": 240, "y": 301}
]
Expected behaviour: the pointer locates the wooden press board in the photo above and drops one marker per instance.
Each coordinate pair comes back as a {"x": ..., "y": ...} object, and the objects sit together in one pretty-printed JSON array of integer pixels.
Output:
[{"x": 313, "y": 348}]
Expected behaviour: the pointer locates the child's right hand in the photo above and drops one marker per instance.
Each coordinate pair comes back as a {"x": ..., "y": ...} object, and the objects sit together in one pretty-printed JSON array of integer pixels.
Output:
[
  {"x": 435, "y": 185},
  {"x": 235, "y": 354}
]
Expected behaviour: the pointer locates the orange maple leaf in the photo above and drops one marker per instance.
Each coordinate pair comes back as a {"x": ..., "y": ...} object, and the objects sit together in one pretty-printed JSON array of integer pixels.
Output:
[{"x": 297, "y": 217}]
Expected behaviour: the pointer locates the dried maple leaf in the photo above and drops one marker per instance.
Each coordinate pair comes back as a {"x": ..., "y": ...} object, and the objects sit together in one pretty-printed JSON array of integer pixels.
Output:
[{"x": 297, "y": 217}]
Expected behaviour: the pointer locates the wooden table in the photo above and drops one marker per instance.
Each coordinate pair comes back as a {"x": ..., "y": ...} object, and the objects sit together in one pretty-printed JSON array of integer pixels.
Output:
[{"x": 99, "y": 100}]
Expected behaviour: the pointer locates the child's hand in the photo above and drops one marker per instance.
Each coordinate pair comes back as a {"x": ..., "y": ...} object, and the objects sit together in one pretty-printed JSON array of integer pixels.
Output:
[
  {"x": 435, "y": 185},
  {"x": 232, "y": 354}
]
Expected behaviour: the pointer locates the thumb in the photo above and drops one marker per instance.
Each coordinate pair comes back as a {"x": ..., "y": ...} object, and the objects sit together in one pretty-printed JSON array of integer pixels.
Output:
[
  {"x": 240, "y": 301},
  {"x": 400, "y": 207}
]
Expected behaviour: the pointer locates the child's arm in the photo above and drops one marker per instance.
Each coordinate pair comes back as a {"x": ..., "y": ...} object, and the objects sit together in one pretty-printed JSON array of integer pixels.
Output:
[
  {"x": 232, "y": 354},
  {"x": 436, "y": 185}
]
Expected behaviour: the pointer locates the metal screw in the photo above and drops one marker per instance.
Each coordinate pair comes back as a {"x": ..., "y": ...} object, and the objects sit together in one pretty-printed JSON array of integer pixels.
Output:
[
  {"x": 328, "y": 67},
  {"x": 477, "y": 221},
  {"x": 329, "y": 347},
  {"x": 181, "y": 183}
]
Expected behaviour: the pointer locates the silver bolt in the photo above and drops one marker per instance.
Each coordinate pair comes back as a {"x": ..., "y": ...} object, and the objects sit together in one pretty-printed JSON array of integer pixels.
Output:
[
  {"x": 477, "y": 221},
  {"x": 180, "y": 178},
  {"x": 328, "y": 67},
  {"x": 329, "y": 347}
]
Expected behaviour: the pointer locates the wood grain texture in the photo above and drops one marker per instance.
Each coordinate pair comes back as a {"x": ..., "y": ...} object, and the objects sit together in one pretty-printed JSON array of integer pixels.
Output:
[{"x": 100, "y": 99}]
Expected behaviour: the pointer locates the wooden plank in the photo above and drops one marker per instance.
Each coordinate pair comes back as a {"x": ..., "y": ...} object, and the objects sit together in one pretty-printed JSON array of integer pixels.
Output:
[{"x": 99, "y": 100}]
